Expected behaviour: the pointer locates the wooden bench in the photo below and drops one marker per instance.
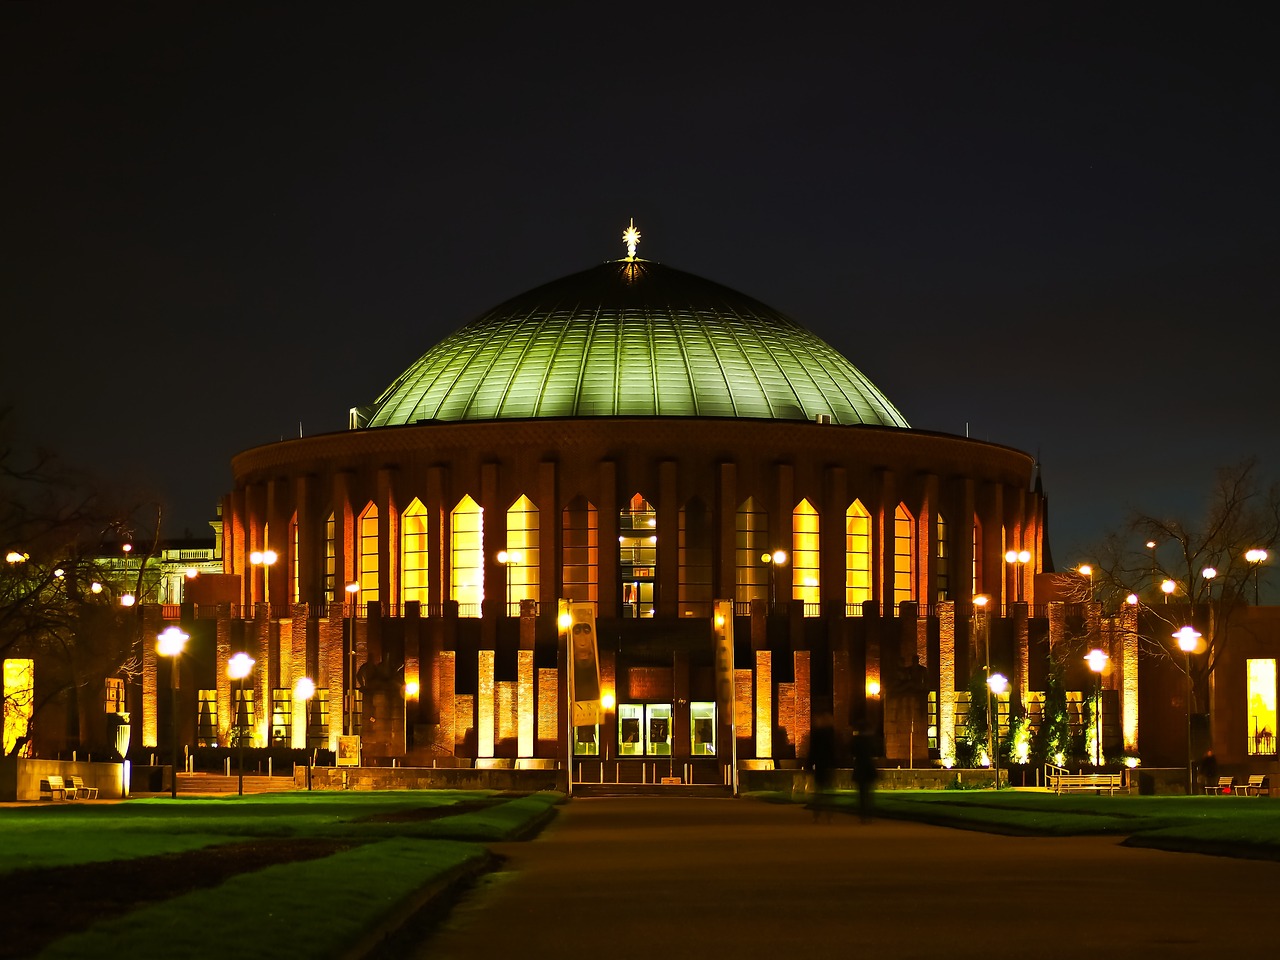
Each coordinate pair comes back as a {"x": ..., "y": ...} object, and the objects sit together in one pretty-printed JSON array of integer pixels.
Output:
[
  {"x": 1067, "y": 782},
  {"x": 1257, "y": 783},
  {"x": 1225, "y": 786},
  {"x": 52, "y": 788},
  {"x": 81, "y": 791}
]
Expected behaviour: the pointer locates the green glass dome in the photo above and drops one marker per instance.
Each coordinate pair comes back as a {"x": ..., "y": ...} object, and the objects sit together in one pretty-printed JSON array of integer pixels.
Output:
[{"x": 632, "y": 339}]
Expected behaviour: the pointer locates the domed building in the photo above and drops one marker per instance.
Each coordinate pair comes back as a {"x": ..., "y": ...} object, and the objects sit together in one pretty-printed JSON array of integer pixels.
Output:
[{"x": 678, "y": 458}]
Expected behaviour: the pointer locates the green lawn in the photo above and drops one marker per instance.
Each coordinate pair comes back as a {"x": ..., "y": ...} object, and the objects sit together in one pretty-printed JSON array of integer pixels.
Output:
[
  {"x": 1231, "y": 826},
  {"x": 315, "y": 907}
]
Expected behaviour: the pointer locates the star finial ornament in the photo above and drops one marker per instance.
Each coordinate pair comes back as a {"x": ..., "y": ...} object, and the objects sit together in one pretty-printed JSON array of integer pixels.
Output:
[{"x": 631, "y": 237}]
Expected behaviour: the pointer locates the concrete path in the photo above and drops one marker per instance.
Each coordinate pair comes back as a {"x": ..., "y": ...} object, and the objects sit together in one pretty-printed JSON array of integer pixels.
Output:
[{"x": 739, "y": 879}]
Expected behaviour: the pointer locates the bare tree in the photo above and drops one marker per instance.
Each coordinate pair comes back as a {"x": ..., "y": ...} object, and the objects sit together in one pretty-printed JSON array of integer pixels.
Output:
[
  {"x": 59, "y": 604},
  {"x": 1201, "y": 566}
]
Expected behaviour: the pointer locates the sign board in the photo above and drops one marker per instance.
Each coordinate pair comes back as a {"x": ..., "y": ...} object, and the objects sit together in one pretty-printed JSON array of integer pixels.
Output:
[
  {"x": 584, "y": 665},
  {"x": 348, "y": 751}
]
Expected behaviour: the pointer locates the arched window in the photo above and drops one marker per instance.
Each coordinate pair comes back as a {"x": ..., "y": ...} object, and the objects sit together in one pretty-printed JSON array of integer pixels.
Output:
[
  {"x": 904, "y": 568},
  {"x": 857, "y": 554},
  {"x": 695, "y": 559},
  {"x": 751, "y": 542},
  {"x": 580, "y": 527},
  {"x": 804, "y": 553},
  {"x": 467, "y": 567},
  {"x": 637, "y": 557},
  {"x": 414, "y": 554},
  {"x": 522, "y": 554},
  {"x": 331, "y": 558},
  {"x": 941, "y": 581},
  {"x": 367, "y": 575},
  {"x": 977, "y": 556}
]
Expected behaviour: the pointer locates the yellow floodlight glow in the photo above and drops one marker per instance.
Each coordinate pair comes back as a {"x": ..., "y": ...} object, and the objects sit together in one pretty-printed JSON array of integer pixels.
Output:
[
  {"x": 607, "y": 700},
  {"x": 565, "y": 621},
  {"x": 873, "y": 688},
  {"x": 13, "y": 556},
  {"x": 95, "y": 587},
  {"x": 304, "y": 689},
  {"x": 353, "y": 588},
  {"x": 192, "y": 573},
  {"x": 981, "y": 600},
  {"x": 411, "y": 689},
  {"x": 1085, "y": 570},
  {"x": 779, "y": 556}
]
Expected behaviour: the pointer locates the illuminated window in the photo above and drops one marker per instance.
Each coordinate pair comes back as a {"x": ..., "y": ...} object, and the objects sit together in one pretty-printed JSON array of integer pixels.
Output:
[
  {"x": 243, "y": 713},
  {"x": 932, "y": 718},
  {"x": 468, "y": 557},
  {"x": 751, "y": 542},
  {"x": 330, "y": 558},
  {"x": 1262, "y": 707},
  {"x": 580, "y": 527},
  {"x": 644, "y": 729},
  {"x": 355, "y": 701},
  {"x": 904, "y": 538},
  {"x": 804, "y": 553},
  {"x": 857, "y": 554},
  {"x": 295, "y": 576},
  {"x": 368, "y": 554},
  {"x": 414, "y": 553},
  {"x": 637, "y": 557},
  {"x": 281, "y": 718},
  {"x": 586, "y": 741},
  {"x": 207, "y": 718},
  {"x": 318, "y": 719},
  {"x": 695, "y": 560},
  {"x": 977, "y": 556},
  {"x": 17, "y": 685},
  {"x": 702, "y": 719},
  {"x": 941, "y": 579},
  {"x": 523, "y": 555},
  {"x": 115, "y": 695}
]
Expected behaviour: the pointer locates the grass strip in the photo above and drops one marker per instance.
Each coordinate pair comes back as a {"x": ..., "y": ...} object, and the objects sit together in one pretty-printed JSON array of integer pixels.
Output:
[{"x": 319, "y": 908}]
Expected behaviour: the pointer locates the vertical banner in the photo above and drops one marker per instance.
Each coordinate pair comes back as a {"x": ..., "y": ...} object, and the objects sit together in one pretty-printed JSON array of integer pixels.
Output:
[
  {"x": 722, "y": 624},
  {"x": 584, "y": 666}
]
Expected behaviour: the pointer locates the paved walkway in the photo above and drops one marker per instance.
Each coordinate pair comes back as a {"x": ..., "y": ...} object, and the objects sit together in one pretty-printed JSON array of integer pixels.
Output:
[{"x": 739, "y": 879}]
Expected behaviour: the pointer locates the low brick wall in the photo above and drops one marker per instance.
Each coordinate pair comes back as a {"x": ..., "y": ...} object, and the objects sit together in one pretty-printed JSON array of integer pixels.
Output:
[
  {"x": 428, "y": 778},
  {"x": 20, "y": 779},
  {"x": 922, "y": 778}
]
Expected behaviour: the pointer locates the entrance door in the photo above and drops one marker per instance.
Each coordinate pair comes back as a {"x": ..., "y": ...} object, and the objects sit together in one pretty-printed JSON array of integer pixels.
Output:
[{"x": 644, "y": 729}]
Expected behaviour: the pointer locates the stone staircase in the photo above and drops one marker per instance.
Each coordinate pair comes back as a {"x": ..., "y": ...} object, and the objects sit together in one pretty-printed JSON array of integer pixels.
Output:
[{"x": 669, "y": 790}]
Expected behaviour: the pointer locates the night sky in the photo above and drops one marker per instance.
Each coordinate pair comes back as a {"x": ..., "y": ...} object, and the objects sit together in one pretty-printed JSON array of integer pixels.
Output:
[{"x": 1054, "y": 226}]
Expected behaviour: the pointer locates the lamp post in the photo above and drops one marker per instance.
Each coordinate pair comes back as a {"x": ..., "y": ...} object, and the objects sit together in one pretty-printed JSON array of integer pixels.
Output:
[
  {"x": 1188, "y": 638},
  {"x": 264, "y": 559},
  {"x": 1097, "y": 660},
  {"x": 509, "y": 559},
  {"x": 238, "y": 667},
  {"x": 997, "y": 684},
  {"x": 1257, "y": 558},
  {"x": 773, "y": 561},
  {"x": 1209, "y": 573},
  {"x": 352, "y": 590},
  {"x": 1151, "y": 545},
  {"x": 170, "y": 643},
  {"x": 1021, "y": 558},
  {"x": 1087, "y": 571},
  {"x": 303, "y": 690},
  {"x": 1167, "y": 587}
]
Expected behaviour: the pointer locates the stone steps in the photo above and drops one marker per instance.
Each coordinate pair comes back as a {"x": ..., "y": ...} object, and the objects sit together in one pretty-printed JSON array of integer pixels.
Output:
[{"x": 682, "y": 790}]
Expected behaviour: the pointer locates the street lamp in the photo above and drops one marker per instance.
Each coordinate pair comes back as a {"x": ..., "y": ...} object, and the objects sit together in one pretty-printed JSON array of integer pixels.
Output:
[
  {"x": 997, "y": 684},
  {"x": 1188, "y": 638},
  {"x": 1097, "y": 660},
  {"x": 1087, "y": 571},
  {"x": 170, "y": 643},
  {"x": 979, "y": 610},
  {"x": 238, "y": 667},
  {"x": 509, "y": 559},
  {"x": 773, "y": 560},
  {"x": 1257, "y": 558},
  {"x": 352, "y": 590},
  {"x": 1209, "y": 573},
  {"x": 303, "y": 690},
  {"x": 264, "y": 559},
  {"x": 1021, "y": 558},
  {"x": 1167, "y": 587}
]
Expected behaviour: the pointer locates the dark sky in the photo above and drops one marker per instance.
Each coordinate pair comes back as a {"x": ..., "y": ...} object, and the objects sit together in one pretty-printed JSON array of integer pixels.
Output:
[{"x": 1052, "y": 225}]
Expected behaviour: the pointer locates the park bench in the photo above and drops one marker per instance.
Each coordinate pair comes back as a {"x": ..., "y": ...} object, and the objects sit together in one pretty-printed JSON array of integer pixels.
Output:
[
  {"x": 55, "y": 789},
  {"x": 81, "y": 790},
  {"x": 1224, "y": 786},
  {"x": 1067, "y": 782},
  {"x": 1257, "y": 783}
]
